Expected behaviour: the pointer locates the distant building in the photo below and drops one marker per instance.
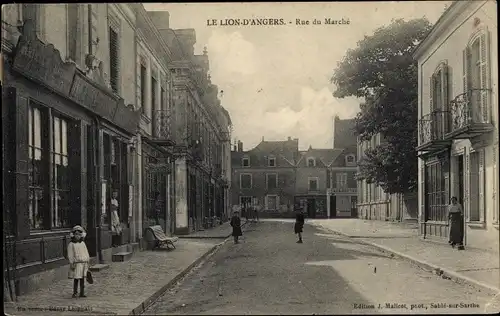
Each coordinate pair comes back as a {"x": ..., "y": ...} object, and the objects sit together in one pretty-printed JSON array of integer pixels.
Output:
[
  {"x": 312, "y": 180},
  {"x": 374, "y": 203},
  {"x": 343, "y": 133},
  {"x": 265, "y": 176},
  {"x": 342, "y": 186}
]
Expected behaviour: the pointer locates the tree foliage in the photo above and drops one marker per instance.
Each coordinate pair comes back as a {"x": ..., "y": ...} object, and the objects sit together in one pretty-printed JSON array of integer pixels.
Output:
[{"x": 381, "y": 70}]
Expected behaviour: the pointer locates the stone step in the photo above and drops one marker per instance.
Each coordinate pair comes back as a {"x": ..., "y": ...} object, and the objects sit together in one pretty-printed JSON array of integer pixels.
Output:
[
  {"x": 99, "y": 267},
  {"x": 122, "y": 256}
]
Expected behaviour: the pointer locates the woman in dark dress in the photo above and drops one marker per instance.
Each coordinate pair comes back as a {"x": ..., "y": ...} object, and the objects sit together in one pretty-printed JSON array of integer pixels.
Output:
[
  {"x": 456, "y": 218},
  {"x": 299, "y": 224},
  {"x": 236, "y": 225}
]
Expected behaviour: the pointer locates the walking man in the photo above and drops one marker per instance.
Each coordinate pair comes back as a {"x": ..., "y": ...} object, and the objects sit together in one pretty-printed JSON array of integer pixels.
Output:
[{"x": 299, "y": 224}]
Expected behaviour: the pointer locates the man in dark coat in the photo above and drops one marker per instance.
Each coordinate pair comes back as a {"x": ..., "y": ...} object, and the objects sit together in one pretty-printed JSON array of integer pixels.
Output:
[
  {"x": 236, "y": 225},
  {"x": 299, "y": 224}
]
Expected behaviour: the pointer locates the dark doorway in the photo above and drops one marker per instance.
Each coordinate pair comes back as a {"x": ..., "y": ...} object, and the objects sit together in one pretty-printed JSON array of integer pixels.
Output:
[
  {"x": 91, "y": 238},
  {"x": 333, "y": 206},
  {"x": 311, "y": 208},
  {"x": 354, "y": 206},
  {"x": 460, "y": 179}
]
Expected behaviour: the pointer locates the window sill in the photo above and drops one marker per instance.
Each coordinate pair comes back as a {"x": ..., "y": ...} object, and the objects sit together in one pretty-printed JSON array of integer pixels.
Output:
[
  {"x": 444, "y": 223},
  {"x": 476, "y": 224},
  {"x": 41, "y": 233}
]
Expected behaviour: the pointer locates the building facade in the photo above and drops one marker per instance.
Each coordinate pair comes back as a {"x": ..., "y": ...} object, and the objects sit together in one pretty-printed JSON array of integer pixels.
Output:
[
  {"x": 342, "y": 186},
  {"x": 80, "y": 123},
  {"x": 265, "y": 176},
  {"x": 312, "y": 181},
  {"x": 458, "y": 125},
  {"x": 70, "y": 121},
  {"x": 374, "y": 203}
]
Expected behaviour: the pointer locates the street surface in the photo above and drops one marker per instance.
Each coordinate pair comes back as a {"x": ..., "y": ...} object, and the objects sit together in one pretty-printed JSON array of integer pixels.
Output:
[{"x": 269, "y": 273}]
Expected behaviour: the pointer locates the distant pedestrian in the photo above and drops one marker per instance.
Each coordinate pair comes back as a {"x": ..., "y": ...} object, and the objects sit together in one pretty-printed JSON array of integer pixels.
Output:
[
  {"x": 456, "y": 220},
  {"x": 299, "y": 224},
  {"x": 78, "y": 257},
  {"x": 236, "y": 225}
]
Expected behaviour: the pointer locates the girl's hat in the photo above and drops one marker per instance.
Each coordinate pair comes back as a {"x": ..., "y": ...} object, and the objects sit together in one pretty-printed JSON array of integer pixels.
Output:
[{"x": 79, "y": 229}]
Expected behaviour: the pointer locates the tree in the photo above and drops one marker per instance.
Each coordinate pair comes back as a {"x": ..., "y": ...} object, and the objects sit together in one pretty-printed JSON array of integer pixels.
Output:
[{"x": 381, "y": 70}]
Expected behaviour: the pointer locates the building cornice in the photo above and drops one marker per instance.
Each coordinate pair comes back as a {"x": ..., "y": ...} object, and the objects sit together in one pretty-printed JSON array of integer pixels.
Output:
[{"x": 446, "y": 19}]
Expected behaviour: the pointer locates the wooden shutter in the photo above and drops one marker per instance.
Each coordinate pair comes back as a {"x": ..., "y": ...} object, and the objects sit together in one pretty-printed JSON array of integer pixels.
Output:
[
  {"x": 113, "y": 59},
  {"x": 474, "y": 184},
  {"x": 484, "y": 68},
  {"x": 431, "y": 93},
  {"x": 466, "y": 69},
  {"x": 422, "y": 191},
  {"x": 481, "y": 186},
  {"x": 495, "y": 186}
]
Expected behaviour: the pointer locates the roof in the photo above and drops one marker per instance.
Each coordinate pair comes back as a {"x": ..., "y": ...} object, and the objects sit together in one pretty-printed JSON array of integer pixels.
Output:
[{"x": 326, "y": 156}]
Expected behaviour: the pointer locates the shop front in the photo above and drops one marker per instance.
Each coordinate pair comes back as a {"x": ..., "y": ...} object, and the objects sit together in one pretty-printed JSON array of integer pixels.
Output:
[
  {"x": 314, "y": 206},
  {"x": 54, "y": 154}
]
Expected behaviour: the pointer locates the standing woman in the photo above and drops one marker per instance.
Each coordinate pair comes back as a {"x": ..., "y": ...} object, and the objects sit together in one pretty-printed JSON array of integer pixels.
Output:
[
  {"x": 299, "y": 224},
  {"x": 236, "y": 225},
  {"x": 456, "y": 219}
]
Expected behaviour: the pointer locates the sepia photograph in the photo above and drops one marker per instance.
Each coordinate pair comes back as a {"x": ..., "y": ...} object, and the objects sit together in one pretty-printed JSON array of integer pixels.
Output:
[{"x": 250, "y": 158}]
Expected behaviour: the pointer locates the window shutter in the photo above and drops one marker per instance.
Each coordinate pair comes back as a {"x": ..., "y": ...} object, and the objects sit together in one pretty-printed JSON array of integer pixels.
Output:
[
  {"x": 431, "y": 94},
  {"x": 481, "y": 185},
  {"x": 484, "y": 66},
  {"x": 466, "y": 68},
  {"x": 495, "y": 186},
  {"x": 113, "y": 59},
  {"x": 266, "y": 203},
  {"x": 277, "y": 202}
]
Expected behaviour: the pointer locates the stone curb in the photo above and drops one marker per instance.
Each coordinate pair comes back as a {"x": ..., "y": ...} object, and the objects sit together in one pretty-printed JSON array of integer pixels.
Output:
[
  {"x": 210, "y": 237},
  {"x": 149, "y": 301},
  {"x": 443, "y": 272}
]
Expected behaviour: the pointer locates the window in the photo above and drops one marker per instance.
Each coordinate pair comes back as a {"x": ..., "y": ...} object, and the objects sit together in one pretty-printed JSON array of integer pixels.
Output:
[
  {"x": 245, "y": 181},
  {"x": 155, "y": 182},
  {"x": 143, "y": 89},
  {"x": 163, "y": 99},
  {"x": 271, "y": 181},
  {"x": 114, "y": 59},
  {"x": 350, "y": 159},
  {"x": 245, "y": 162},
  {"x": 60, "y": 174},
  {"x": 153, "y": 94},
  {"x": 341, "y": 180},
  {"x": 271, "y": 202},
  {"x": 435, "y": 187},
  {"x": 271, "y": 162},
  {"x": 477, "y": 74},
  {"x": 313, "y": 184},
  {"x": 36, "y": 187},
  {"x": 32, "y": 11},
  {"x": 311, "y": 162},
  {"x": 73, "y": 33}
]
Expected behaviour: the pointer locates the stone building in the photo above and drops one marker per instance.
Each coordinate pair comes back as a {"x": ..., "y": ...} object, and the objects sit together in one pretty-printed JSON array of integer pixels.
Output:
[
  {"x": 265, "y": 176},
  {"x": 458, "y": 123},
  {"x": 69, "y": 121}
]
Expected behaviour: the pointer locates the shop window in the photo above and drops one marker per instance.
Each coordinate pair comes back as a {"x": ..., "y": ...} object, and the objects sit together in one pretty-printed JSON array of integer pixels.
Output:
[
  {"x": 60, "y": 174},
  {"x": 435, "y": 187},
  {"x": 36, "y": 187}
]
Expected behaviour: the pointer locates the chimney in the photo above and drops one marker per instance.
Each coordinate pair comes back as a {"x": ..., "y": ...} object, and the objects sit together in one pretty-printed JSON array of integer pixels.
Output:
[
  {"x": 289, "y": 138},
  {"x": 161, "y": 19},
  {"x": 187, "y": 37},
  {"x": 240, "y": 146}
]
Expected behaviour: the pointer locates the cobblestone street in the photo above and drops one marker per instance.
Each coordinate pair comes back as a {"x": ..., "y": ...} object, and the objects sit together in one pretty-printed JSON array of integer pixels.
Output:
[{"x": 269, "y": 273}]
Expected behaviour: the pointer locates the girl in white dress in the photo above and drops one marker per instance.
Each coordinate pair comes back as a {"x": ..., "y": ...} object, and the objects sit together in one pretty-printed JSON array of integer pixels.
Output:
[{"x": 79, "y": 258}]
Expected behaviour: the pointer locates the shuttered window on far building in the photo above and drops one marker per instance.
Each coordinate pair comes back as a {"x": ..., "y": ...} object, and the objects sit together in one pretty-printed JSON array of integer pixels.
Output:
[{"x": 114, "y": 56}]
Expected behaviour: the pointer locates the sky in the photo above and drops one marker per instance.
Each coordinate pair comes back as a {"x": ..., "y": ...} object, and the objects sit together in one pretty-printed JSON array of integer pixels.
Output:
[{"x": 276, "y": 79}]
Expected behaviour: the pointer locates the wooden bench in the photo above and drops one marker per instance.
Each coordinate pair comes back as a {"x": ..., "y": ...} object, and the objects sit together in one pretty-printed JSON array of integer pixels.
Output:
[{"x": 158, "y": 237}]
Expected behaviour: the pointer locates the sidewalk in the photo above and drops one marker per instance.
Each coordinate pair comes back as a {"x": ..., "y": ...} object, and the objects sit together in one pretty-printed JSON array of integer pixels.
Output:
[
  {"x": 123, "y": 288},
  {"x": 222, "y": 231},
  {"x": 477, "y": 267}
]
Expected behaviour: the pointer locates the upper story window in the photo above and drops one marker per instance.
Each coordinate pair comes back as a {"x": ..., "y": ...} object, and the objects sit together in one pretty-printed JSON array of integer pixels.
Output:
[
  {"x": 33, "y": 12},
  {"x": 311, "y": 162},
  {"x": 245, "y": 162},
  {"x": 341, "y": 180},
  {"x": 313, "y": 184},
  {"x": 114, "y": 54},
  {"x": 272, "y": 181},
  {"x": 350, "y": 160},
  {"x": 439, "y": 89},
  {"x": 245, "y": 181},
  {"x": 271, "y": 162},
  {"x": 476, "y": 78},
  {"x": 154, "y": 104},
  {"x": 143, "y": 87}
]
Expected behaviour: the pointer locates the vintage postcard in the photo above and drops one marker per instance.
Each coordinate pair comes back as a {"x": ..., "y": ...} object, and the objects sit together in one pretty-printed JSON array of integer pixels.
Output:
[{"x": 248, "y": 158}]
